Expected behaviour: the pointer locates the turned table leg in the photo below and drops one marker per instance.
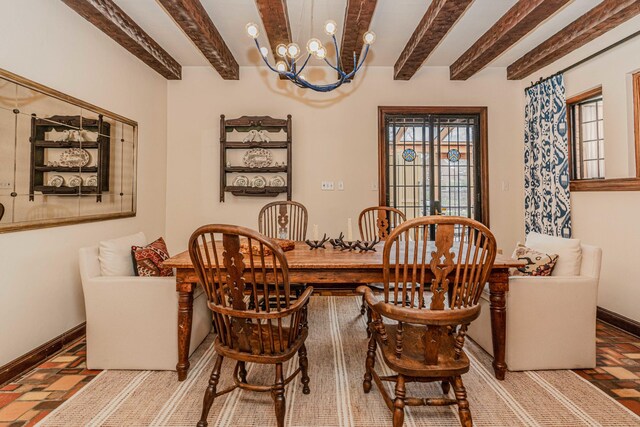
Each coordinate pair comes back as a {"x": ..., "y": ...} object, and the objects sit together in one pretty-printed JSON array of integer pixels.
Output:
[
  {"x": 497, "y": 299},
  {"x": 185, "y": 318}
]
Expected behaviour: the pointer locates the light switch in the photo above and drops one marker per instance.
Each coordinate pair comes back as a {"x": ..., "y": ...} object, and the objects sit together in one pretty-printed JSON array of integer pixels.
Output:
[{"x": 340, "y": 185}]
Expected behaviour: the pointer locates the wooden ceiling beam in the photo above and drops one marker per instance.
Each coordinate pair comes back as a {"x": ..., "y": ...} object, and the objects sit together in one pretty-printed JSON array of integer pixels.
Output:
[
  {"x": 194, "y": 20},
  {"x": 434, "y": 26},
  {"x": 602, "y": 18},
  {"x": 357, "y": 18},
  {"x": 112, "y": 21},
  {"x": 275, "y": 20},
  {"x": 523, "y": 17}
]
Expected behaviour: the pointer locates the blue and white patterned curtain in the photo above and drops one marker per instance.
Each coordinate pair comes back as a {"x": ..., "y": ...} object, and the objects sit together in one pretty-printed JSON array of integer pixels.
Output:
[{"x": 546, "y": 160}]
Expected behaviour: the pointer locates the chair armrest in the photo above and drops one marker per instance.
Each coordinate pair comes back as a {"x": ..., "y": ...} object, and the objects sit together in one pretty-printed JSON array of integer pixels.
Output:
[{"x": 419, "y": 316}]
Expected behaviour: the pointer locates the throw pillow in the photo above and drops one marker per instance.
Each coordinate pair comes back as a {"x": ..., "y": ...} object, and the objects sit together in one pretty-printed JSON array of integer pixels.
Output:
[
  {"x": 569, "y": 252},
  {"x": 115, "y": 255},
  {"x": 538, "y": 263},
  {"x": 148, "y": 259}
]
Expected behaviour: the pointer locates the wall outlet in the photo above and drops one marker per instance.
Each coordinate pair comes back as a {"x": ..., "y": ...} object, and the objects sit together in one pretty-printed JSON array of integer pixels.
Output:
[
  {"x": 326, "y": 186},
  {"x": 374, "y": 186},
  {"x": 340, "y": 185},
  {"x": 505, "y": 185},
  {"x": 5, "y": 185}
]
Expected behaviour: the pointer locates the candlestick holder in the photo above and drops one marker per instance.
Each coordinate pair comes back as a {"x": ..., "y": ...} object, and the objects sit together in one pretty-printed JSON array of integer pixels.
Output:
[
  {"x": 365, "y": 246},
  {"x": 337, "y": 242},
  {"x": 317, "y": 244}
]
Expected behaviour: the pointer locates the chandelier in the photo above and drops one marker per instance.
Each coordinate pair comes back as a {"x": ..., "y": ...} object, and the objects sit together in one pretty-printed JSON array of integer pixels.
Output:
[{"x": 290, "y": 56}]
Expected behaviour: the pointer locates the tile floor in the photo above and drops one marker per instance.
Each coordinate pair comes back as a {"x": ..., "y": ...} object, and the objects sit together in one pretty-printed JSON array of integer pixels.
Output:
[{"x": 30, "y": 398}]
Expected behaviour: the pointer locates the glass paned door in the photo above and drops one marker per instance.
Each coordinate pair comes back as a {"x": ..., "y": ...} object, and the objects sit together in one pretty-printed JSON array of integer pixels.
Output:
[{"x": 433, "y": 164}]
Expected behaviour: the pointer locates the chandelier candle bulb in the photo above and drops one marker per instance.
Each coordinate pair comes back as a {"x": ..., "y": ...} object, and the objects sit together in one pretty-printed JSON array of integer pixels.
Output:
[
  {"x": 313, "y": 45},
  {"x": 316, "y": 234},
  {"x": 281, "y": 66},
  {"x": 349, "y": 230},
  {"x": 252, "y": 30},
  {"x": 293, "y": 50},
  {"x": 264, "y": 51},
  {"x": 330, "y": 27},
  {"x": 281, "y": 50},
  {"x": 369, "y": 37}
]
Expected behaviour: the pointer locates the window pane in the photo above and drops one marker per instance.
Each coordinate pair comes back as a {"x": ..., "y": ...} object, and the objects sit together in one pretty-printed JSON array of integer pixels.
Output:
[
  {"x": 589, "y": 112},
  {"x": 588, "y": 138}
]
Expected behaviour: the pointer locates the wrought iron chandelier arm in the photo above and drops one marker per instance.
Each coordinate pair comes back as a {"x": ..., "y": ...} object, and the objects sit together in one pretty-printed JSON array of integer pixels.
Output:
[
  {"x": 304, "y": 64},
  {"x": 364, "y": 56}
]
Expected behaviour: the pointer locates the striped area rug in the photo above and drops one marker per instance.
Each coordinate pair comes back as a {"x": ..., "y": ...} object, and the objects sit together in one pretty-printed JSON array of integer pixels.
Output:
[{"x": 337, "y": 350}]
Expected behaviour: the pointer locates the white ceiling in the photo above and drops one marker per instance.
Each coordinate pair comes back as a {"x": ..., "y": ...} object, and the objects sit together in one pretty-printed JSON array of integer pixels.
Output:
[{"x": 393, "y": 22}]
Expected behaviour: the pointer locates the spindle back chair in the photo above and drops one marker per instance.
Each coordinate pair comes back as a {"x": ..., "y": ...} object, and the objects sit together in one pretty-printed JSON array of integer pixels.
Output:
[
  {"x": 284, "y": 220},
  {"x": 377, "y": 222},
  {"x": 442, "y": 280},
  {"x": 234, "y": 265}
]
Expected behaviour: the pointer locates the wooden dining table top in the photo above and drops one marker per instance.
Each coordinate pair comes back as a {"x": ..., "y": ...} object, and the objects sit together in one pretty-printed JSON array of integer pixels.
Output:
[{"x": 301, "y": 257}]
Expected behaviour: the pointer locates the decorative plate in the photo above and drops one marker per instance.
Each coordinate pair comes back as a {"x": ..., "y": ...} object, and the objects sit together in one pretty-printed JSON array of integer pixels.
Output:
[
  {"x": 91, "y": 181},
  {"x": 258, "y": 182},
  {"x": 453, "y": 155},
  {"x": 257, "y": 158},
  {"x": 277, "y": 181},
  {"x": 56, "y": 181},
  {"x": 409, "y": 155},
  {"x": 75, "y": 158},
  {"x": 241, "y": 181},
  {"x": 74, "y": 181}
]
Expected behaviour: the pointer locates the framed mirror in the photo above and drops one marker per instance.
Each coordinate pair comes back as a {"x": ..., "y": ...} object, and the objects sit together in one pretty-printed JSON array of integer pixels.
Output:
[{"x": 62, "y": 160}]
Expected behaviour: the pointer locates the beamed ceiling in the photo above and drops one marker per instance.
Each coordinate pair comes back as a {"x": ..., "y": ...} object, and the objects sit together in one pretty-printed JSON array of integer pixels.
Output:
[{"x": 464, "y": 35}]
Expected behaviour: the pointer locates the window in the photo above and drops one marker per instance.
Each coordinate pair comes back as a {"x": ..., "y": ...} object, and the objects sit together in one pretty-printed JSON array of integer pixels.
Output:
[
  {"x": 433, "y": 161},
  {"x": 587, "y": 135}
]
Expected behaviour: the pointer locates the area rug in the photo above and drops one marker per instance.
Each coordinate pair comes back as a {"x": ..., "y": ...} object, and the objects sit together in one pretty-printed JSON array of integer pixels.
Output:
[{"x": 337, "y": 349}]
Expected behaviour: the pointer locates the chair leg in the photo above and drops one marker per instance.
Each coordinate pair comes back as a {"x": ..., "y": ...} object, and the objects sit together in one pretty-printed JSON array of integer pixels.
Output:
[
  {"x": 463, "y": 403},
  {"x": 398, "y": 403},
  {"x": 369, "y": 364},
  {"x": 363, "y": 306},
  {"x": 278, "y": 395},
  {"x": 304, "y": 367},
  {"x": 446, "y": 386},
  {"x": 242, "y": 372},
  {"x": 368, "y": 322},
  {"x": 210, "y": 394}
]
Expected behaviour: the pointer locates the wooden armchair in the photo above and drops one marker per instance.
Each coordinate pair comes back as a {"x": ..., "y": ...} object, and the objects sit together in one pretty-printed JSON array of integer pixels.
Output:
[
  {"x": 284, "y": 220},
  {"x": 377, "y": 222},
  {"x": 258, "y": 335},
  {"x": 423, "y": 342}
]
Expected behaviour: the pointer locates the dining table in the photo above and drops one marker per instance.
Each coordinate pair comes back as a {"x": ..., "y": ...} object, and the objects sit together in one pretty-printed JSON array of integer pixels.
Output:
[{"x": 334, "y": 267}]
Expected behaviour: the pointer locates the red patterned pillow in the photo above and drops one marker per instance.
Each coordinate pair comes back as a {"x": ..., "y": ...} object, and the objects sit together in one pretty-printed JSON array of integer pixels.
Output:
[{"x": 148, "y": 259}]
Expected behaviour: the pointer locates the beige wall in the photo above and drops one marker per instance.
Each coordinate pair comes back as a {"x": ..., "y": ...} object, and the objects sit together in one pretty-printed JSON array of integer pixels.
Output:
[
  {"x": 610, "y": 219},
  {"x": 334, "y": 138},
  {"x": 45, "y": 41}
]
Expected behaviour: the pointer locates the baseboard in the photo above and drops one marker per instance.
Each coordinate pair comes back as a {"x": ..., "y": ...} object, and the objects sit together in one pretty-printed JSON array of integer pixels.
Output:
[
  {"x": 628, "y": 325},
  {"x": 30, "y": 360}
]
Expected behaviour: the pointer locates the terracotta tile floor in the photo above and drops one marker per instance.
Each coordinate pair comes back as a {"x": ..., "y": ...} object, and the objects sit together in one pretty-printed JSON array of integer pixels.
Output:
[{"x": 30, "y": 398}]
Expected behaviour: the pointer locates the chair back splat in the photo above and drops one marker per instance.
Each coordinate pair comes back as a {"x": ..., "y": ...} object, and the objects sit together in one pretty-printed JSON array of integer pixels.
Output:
[
  {"x": 283, "y": 220},
  {"x": 377, "y": 222}
]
